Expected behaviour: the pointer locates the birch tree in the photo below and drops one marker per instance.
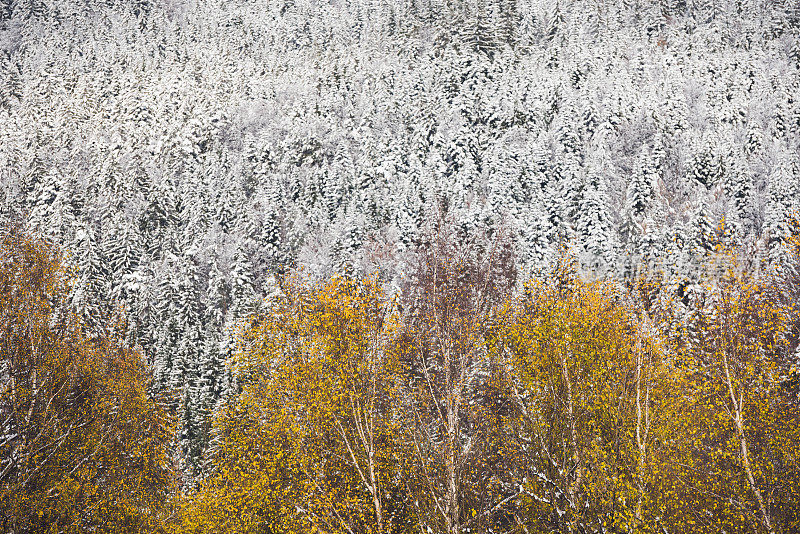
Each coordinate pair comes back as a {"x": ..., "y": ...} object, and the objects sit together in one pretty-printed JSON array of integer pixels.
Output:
[
  {"x": 447, "y": 312},
  {"x": 82, "y": 444}
]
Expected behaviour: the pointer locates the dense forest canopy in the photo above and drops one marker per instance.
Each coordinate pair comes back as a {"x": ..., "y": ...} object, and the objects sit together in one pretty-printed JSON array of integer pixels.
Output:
[{"x": 198, "y": 161}]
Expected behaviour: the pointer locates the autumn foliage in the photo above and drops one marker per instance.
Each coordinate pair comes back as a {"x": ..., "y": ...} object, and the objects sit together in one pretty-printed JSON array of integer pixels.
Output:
[
  {"x": 82, "y": 444},
  {"x": 310, "y": 441},
  {"x": 458, "y": 407},
  {"x": 464, "y": 406},
  {"x": 464, "y": 402}
]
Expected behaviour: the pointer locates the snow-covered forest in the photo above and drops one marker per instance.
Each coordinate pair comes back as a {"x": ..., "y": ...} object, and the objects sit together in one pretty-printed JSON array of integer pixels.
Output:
[{"x": 189, "y": 157}]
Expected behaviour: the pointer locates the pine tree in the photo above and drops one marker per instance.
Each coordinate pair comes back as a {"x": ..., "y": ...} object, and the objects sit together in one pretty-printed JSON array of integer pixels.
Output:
[
  {"x": 640, "y": 191},
  {"x": 555, "y": 22},
  {"x": 50, "y": 212},
  {"x": 739, "y": 189},
  {"x": 705, "y": 166},
  {"x": 243, "y": 291},
  {"x": 592, "y": 223},
  {"x": 477, "y": 31},
  {"x": 700, "y": 240},
  {"x": 500, "y": 186},
  {"x": 781, "y": 208},
  {"x": 218, "y": 298},
  {"x": 122, "y": 249},
  {"x": 92, "y": 289},
  {"x": 506, "y": 20},
  {"x": 189, "y": 437},
  {"x": 537, "y": 238},
  {"x": 409, "y": 214}
]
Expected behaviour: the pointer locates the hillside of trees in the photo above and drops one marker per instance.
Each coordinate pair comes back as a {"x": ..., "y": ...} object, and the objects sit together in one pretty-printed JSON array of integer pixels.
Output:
[{"x": 190, "y": 175}]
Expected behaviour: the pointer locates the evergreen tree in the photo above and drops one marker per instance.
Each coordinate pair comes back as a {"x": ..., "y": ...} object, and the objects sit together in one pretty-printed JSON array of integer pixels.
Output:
[
  {"x": 739, "y": 189},
  {"x": 701, "y": 235},
  {"x": 92, "y": 288},
  {"x": 555, "y": 22},
  {"x": 50, "y": 212},
  {"x": 640, "y": 191},
  {"x": 592, "y": 224},
  {"x": 706, "y": 166},
  {"x": 243, "y": 291},
  {"x": 410, "y": 212},
  {"x": 781, "y": 208},
  {"x": 218, "y": 298}
]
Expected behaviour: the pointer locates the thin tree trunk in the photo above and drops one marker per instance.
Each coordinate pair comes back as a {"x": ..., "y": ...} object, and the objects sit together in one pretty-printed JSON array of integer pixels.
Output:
[
  {"x": 642, "y": 427},
  {"x": 451, "y": 502},
  {"x": 376, "y": 497},
  {"x": 737, "y": 409},
  {"x": 575, "y": 485}
]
